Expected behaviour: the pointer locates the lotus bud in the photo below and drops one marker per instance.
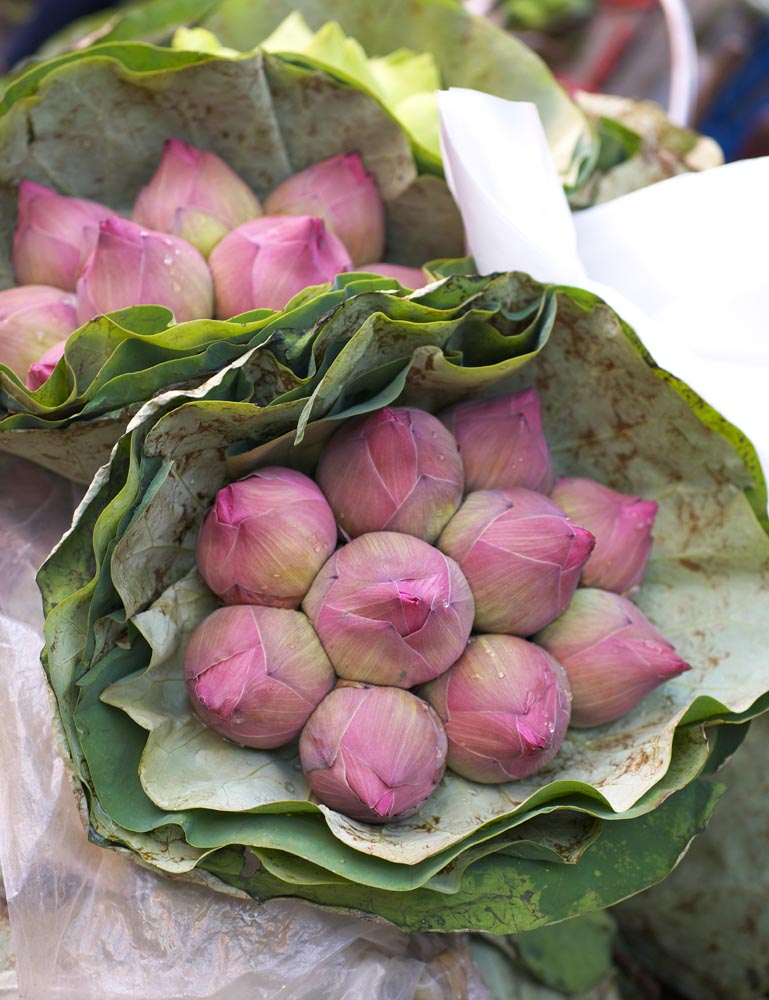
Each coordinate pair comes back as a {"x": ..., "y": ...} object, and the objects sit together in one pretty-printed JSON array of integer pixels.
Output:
[
  {"x": 505, "y": 705},
  {"x": 256, "y": 674},
  {"x": 501, "y": 442},
  {"x": 265, "y": 538},
  {"x": 344, "y": 194},
  {"x": 131, "y": 266},
  {"x": 622, "y": 526},
  {"x": 40, "y": 371},
  {"x": 390, "y": 609},
  {"x": 612, "y": 654},
  {"x": 195, "y": 195},
  {"x": 397, "y": 469},
  {"x": 409, "y": 277},
  {"x": 54, "y": 236},
  {"x": 33, "y": 318},
  {"x": 521, "y": 555},
  {"x": 266, "y": 262},
  {"x": 374, "y": 754}
]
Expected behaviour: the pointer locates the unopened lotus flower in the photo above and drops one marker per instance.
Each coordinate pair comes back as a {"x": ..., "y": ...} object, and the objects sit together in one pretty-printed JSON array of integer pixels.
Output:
[
  {"x": 131, "y": 266},
  {"x": 397, "y": 469},
  {"x": 33, "y": 318},
  {"x": 612, "y": 654},
  {"x": 374, "y": 754},
  {"x": 409, "y": 277},
  {"x": 344, "y": 194},
  {"x": 501, "y": 442},
  {"x": 622, "y": 526},
  {"x": 265, "y": 538},
  {"x": 505, "y": 705},
  {"x": 54, "y": 236},
  {"x": 195, "y": 195},
  {"x": 390, "y": 609},
  {"x": 264, "y": 263},
  {"x": 41, "y": 370},
  {"x": 521, "y": 556},
  {"x": 255, "y": 674}
]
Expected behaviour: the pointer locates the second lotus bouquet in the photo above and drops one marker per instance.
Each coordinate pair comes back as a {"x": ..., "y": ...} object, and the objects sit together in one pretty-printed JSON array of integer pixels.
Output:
[{"x": 607, "y": 814}]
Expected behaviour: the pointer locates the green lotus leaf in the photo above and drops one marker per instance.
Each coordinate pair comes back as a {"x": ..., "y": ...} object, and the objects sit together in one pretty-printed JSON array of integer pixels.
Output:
[
  {"x": 120, "y": 105},
  {"x": 122, "y": 597},
  {"x": 469, "y": 52}
]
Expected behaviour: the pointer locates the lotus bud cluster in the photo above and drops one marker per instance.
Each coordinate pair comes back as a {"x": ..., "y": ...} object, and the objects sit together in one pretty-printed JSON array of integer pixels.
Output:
[
  {"x": 622, "y": 526},
  {"x": 612, "y": 653},
  {"x": 265, "y": 539},
  {"x": 255, "y": 674},
  {"x": 390, "y": 609},
  {"x": 397, "y": 469},
  {"x": 197, "y": 243},
  {"x": 505, "y": 705},
  {"x": 449, "y": 613},
  {"x": 373, "y": 753}
]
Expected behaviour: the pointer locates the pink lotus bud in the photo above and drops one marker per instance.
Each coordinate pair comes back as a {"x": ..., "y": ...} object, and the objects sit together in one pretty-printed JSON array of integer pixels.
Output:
[
  {"x": 390, "y": 609},
  {"x": 131, "y": 266},
  {"x": 54, "y": 236},
  {"x": 256, "y": 674},
  {"x": 409, "y": 277},
  {"x": 33, "y": 318},
  {"x": 265, "y": 538},
  {"x": 342, "y": 193},
  {"x": 501, "y": 442},
  {"x": 373, "y": 753},
  {"x": 264, "y": 263},
  {"x": 521, "y": 555},
  {"x": 505, "y": 705},
  {"x": 397, "y": 469},
  {"x": 622, "y": 526},
  {"x": 194, "y": 195},
  {"x": 613, "y": 655},
  {"x": 40, "y": 371}
]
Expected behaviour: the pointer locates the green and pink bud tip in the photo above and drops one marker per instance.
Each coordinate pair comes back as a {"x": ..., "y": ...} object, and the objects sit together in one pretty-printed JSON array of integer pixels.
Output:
[
  {"x": 521, "y": 556},
  {"x": 374, "y": 754},
  {"x": 266, "y": 262},
  {"x": 501, "y": 442},
  {"x": 397, "y": 469},
  {"x": 612, "y": 654},
  {"x": 265, "y": 538},
  {"x": 344, "y": 194},
  {"x": 132, "y": 266},
  {"x": 256, "y": 674},
  {"x": 33, "y": 320},
  {"x": 622, "y": 526},
  {"x": 390, "y": 609},
  {"x": 54, "y": 236},
  {"x": 505, "y": 705},
  {"x": 195, "y": 195}
]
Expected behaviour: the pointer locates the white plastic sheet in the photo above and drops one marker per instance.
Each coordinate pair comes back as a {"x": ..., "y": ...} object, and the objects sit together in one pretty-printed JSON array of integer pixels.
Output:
[
  {"x": 684, "y": 261},
  {"x": 90, "y": 924}
]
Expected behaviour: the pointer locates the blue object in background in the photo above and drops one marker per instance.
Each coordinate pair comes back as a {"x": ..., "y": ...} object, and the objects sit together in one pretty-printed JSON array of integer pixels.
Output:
[
  {"x": 49, "y": 17},
  {"x": 741, "y": 106}
]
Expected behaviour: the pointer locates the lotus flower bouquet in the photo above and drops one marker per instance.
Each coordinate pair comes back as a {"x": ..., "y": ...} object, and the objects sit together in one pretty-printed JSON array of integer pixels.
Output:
[
  {"x": 383, "y": 575},
  {"x": 161, "y": 263}
]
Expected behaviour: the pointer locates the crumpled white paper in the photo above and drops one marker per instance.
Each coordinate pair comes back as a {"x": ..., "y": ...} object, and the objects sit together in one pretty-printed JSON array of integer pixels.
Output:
[
  {"x": 684, "y": 261},
  {"x": 90, "y": 924}
]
